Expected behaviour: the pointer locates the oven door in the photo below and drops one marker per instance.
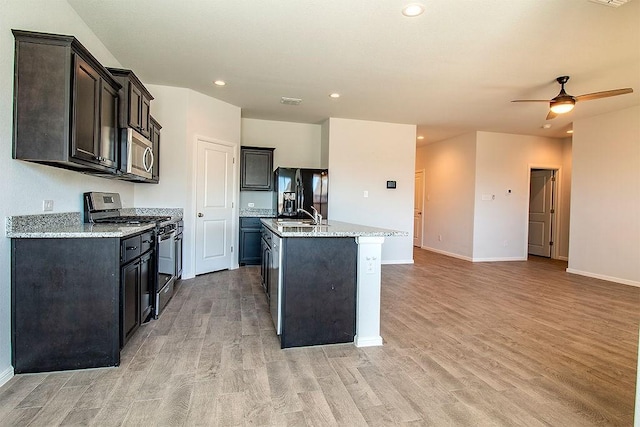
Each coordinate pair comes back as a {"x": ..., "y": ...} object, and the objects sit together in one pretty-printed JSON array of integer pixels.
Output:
[
  {"x": 139, "y": 154},
  {"x": 166, "y": 270}
]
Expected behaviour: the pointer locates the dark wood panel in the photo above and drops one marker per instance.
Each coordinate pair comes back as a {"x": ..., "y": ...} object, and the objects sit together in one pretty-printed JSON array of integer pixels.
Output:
[
  {"x": 319, "y": 291},
  {"x": 64, "y": 315}
]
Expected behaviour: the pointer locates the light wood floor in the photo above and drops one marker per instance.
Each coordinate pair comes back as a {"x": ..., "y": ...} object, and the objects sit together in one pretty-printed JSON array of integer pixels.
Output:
[{"x": 517, "y": 343}]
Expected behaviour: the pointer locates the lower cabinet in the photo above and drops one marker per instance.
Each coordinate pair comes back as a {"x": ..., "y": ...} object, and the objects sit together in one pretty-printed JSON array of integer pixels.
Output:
[
  {"x": 69, "y": 313},
  {"x": 318, "y": 291},
  {"x": 136, "y": 283},
  {"x": 250, "y": 250}
]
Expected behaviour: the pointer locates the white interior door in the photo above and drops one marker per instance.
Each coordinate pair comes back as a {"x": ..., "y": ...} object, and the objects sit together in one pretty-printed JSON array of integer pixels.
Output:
[
  {"x": 214, "y": 206},
  {"x": 540, "y": 212},
  {"x": 418, "y": 208}
]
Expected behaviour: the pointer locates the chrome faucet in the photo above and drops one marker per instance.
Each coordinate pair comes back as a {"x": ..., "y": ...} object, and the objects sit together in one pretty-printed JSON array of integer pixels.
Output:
[{"x": 317, "y": 218}]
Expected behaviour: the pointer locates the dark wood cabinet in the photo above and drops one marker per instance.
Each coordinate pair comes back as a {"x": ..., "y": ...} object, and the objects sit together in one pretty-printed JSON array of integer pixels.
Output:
[
  {"x": 155, "y": 140},
  {"x": 256, "y": 169},
  {"x": 250, "y": 251},
  {"x": 318, "y": 291},
  {"x": 65, "y": 105},
  {"x": 137, "y": 274},
  {"x": 135, "y": 101}
]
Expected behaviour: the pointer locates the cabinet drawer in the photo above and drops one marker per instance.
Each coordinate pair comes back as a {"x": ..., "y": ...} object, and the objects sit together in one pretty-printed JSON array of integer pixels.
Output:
[
  {"x": 250, "y": 222},
  {"x": 130, "y": 248},
  {"x": 147, "y": 241}
]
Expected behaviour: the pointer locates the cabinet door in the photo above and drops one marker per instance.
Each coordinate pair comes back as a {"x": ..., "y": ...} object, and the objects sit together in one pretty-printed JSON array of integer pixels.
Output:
[
  {"x": 108, "y": 126},
  {"x": 155, "y": 140},
  {"x": 130, "y": 300},
  {"x": 135, "y": 106},
  {"x": 256, "y": 169},
  {"x": 86, "y": 112},
  {"x": 145, "y": 107},
  {"x": 146, "y": 284},
  {"x": 250, "y": 248}
]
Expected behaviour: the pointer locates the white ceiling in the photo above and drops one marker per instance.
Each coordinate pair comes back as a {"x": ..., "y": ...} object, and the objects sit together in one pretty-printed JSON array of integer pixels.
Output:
[{"x": 451, "y": 70}]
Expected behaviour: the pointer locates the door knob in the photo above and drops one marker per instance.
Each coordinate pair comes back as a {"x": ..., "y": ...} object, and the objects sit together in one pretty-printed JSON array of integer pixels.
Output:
[{"x": 200, "y": 214}]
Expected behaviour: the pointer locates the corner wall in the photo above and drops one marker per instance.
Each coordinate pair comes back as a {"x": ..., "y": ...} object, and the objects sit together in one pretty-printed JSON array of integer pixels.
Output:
[
  {"x": 184, "y": 115},
  {"x": 450, "y": 174},
  {"x": 605, "y": 197},
  {"x": 363, "y": 155}
]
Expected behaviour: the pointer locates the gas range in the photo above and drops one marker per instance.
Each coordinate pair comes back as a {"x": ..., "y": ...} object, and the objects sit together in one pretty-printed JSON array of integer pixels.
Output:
[{"x": 105, "y": 208}]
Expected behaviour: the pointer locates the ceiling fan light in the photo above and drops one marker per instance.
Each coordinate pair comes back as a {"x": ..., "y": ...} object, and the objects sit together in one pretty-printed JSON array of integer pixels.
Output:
[{"x": 561, "y": 107}]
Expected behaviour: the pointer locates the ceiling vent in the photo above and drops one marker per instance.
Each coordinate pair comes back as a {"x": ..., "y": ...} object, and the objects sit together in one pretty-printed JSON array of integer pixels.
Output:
[
  {"x": 612, "y": 3},
  {"x": 290, "y": 101}
]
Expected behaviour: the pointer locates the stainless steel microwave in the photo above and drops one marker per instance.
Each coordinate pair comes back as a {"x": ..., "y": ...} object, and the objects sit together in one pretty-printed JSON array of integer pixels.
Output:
[{"x": 138, "y": 157}]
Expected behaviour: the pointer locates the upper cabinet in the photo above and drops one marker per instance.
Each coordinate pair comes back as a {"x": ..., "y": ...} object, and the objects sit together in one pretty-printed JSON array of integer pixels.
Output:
[
  {"x": 256, "y": 169},
  {"x": 135, "y": 102},
  {"x": 155, "y": 140},
  {"x": 65, "y": 105}
]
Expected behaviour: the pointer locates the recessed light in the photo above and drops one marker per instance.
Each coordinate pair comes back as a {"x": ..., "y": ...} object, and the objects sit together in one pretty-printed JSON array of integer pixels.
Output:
[
  {"x": 546, "y": 126},
  {"x": 413, "y": 9},
  {"x": 570, "y": 131},
  {"x": 420, "y": 137},
  {"x": 334, "y": 95},
  {"x": 220, "y": 83}
]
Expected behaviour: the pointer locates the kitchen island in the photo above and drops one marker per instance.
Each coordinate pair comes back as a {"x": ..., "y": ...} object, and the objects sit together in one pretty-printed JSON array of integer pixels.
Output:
[{"x": 327, "y": 282}]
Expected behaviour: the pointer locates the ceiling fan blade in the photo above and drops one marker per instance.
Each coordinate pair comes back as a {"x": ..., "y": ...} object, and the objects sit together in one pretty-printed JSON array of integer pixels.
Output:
[
  {"x": 530, "y": 100},
  {"x": 551, "y": 115},
  {"x": 604, "y": 94}
]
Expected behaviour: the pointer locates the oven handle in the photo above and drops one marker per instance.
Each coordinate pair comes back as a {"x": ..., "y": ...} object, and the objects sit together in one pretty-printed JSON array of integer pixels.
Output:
[{"x": 167, "y": 236}]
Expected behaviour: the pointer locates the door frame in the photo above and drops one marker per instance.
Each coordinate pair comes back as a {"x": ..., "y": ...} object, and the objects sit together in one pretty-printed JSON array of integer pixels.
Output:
[
  {"x": 233, "y": 264},
  {"x": 423, "y": 204},
  {"x": 555, "y": 205}
]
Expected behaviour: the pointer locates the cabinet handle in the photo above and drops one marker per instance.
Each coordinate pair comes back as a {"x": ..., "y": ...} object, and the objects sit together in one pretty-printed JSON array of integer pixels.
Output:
[
  {"x": 132, "y": 248},
  {"x": 200, "y": 214},
  {"x": 146, "y": 241}
]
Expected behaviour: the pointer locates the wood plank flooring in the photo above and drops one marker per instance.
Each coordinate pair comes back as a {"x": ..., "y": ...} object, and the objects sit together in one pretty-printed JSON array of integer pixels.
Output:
[{"x": 487, "y": 344}]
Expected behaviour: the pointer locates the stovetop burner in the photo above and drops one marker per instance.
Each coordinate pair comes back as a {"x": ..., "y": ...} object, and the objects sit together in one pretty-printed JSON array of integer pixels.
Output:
[{"x": 130, "y": 219}]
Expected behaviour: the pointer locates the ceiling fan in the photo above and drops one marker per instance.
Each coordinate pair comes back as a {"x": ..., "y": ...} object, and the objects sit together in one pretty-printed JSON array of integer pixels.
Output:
[{"x": 563, "y": 102}]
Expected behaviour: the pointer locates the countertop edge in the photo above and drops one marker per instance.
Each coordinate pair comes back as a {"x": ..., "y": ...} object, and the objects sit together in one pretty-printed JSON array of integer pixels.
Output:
[{"x": 333, "y": 229}]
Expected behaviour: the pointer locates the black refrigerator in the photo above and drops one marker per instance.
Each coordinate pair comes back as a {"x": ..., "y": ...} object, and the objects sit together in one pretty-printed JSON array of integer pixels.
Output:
[{"x": 298, "y": 188}]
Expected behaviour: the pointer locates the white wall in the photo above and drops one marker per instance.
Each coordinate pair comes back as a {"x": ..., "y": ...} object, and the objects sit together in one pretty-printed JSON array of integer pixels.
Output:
[
  {"x": 26, "y": 185},
  {"x": 184, "y": 116},
  {"x": 450, "y": 169},
  {"x": 565, "y": 202},
  {"x": 363, "y": 155},
  {"x": 296, "y": 145},
  {"x": 605, "y": 197},
  {"x": 503, "y": 162}
]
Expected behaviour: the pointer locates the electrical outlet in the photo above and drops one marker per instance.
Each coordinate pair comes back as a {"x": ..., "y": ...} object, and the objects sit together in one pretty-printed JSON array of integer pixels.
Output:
[
  {"x": 47, "y": 205},
  {"x": 366, "y": 193},
  {"x": 251, "y": 205}
]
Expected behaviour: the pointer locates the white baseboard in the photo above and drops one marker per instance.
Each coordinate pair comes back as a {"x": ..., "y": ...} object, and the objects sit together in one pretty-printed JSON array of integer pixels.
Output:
[
  {"x": 499, "y": 259},
  {"x": 6, "y": 375},
  {"x": 451, "y": 254},
  {"x": 604, "y": 277},
  {"x": 367, "y": 341},
  {"x": 397, "y": 261}
]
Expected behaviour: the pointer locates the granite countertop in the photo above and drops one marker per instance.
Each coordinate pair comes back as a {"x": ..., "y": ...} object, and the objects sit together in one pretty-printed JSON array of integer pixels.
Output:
[
  {"x": 330, "y": 229},
  {"x": 68, "y": 225},
  {"x": 257, "y": 213}
]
